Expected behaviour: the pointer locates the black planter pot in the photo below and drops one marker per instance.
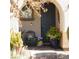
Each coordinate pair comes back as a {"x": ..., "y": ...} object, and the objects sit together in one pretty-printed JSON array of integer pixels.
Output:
[
  {"x": 55, "y": 43},
  {"x": 32, "y": 42}
]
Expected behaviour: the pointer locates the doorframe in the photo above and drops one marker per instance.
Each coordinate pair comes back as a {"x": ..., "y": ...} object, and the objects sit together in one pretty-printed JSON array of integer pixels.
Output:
[{"x": 64, "y": 40}]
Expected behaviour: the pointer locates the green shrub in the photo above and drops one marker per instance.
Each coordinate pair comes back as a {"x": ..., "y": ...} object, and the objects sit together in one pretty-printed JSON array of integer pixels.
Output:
[
  {"x": 15, "y": 39},
  {"x": 53, "y": 33}
]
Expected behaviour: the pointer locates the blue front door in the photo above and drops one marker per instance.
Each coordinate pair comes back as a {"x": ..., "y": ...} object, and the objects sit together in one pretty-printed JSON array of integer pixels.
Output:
[{"x": 47, "y": 18}]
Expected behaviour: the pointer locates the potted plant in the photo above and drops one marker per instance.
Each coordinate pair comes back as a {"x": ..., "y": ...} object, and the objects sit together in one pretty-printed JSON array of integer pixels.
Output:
[
  {"x": 15, "y": 41},
  {"x": 32, "y": 41},
  {"x": 54, "y": 36},
  {"x": 39, "y": 41}
]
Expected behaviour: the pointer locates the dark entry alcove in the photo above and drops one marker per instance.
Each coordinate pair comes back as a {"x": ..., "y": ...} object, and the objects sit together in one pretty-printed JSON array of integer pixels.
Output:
[{"x": 47, "y": 18}]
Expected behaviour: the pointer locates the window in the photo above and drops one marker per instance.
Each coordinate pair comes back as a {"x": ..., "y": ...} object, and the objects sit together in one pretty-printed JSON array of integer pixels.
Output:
[{"x": 26, "y": 13}]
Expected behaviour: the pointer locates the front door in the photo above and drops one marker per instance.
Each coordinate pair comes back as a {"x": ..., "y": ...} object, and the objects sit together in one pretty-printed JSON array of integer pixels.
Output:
[{"x": 47, "y": 18}]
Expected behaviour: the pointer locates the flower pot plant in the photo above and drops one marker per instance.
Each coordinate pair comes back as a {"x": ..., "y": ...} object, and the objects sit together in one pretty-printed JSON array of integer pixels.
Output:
[
  {"x": 15, "y": 41},
  {"x": 39, "y": 41},
  {"x": 54, "y": 36},
  {"x": 32, "y": 41}
]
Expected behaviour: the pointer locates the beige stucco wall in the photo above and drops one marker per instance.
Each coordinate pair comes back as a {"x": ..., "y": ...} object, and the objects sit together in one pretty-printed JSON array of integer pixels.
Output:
[
  {"x": 36, "y": 26},
  {"x": 57, "y": 19},
  {"x": 63, "y": 21}
]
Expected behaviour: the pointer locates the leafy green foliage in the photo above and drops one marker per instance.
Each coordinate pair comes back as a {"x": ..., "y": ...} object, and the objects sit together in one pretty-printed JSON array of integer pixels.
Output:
[
  {"x": 15, "y": 39},
  {"x": 53, "y": 33},
  {"x": 39, "y": 43}
]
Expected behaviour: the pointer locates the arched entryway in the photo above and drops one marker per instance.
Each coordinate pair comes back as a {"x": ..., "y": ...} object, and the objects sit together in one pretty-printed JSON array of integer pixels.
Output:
[
  {"x": 60, "y": 16},
  {"x": 50, "y": 18},
  {"x": 64, "y": 39}
]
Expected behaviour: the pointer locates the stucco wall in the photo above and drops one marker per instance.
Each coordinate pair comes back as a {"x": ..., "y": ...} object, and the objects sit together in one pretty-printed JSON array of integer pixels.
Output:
[
  {"x": 35, "y": 26},
  {"x": 64, "y": 23},
  {"x": 14, "y": 24},
  {"x": 65, "y": 7}
]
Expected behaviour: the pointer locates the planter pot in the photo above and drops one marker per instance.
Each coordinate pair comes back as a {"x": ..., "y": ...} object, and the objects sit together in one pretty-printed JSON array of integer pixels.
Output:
[
  {"x": 31, "y": 42},
  {"x": 55, "y": 43}
]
